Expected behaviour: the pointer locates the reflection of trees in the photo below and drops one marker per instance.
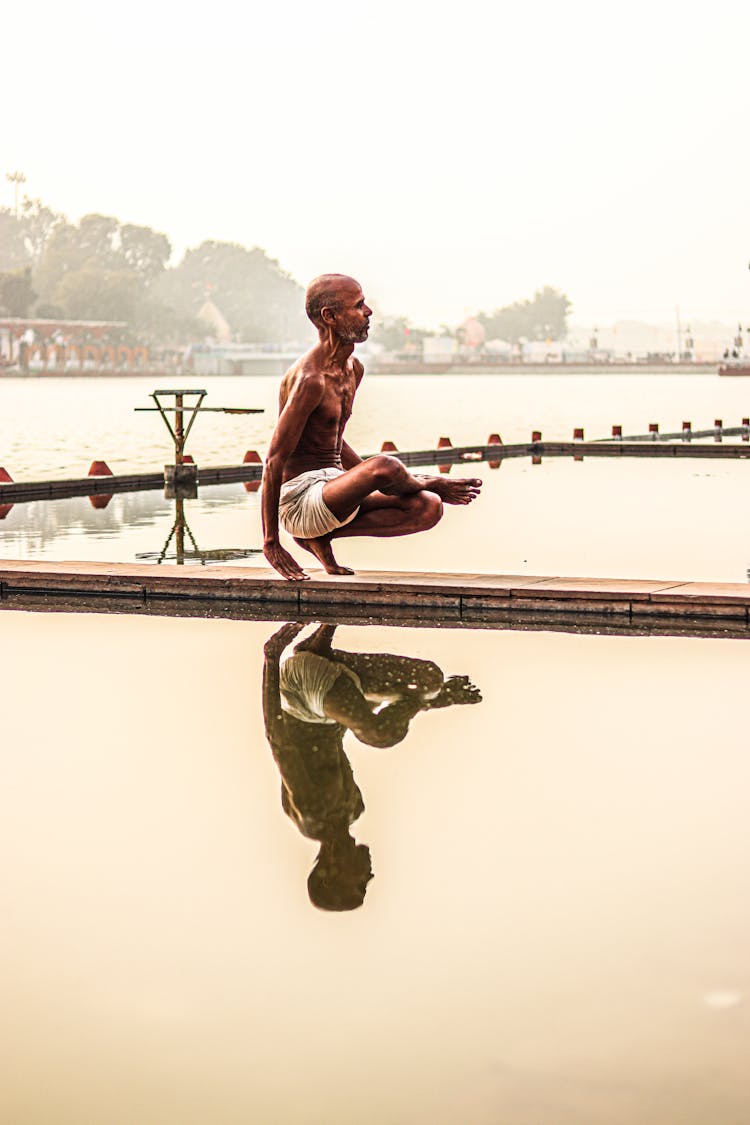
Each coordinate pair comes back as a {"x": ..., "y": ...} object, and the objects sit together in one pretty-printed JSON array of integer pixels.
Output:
[{"x": 309, "y": 701}]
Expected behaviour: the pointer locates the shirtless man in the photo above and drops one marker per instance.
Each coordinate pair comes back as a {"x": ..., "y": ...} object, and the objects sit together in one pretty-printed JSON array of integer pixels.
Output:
[{"x": 314, "y": 484}]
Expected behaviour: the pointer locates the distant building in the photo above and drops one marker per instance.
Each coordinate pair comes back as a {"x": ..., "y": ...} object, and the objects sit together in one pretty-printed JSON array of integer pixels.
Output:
[{"x": 216, "y": 321}]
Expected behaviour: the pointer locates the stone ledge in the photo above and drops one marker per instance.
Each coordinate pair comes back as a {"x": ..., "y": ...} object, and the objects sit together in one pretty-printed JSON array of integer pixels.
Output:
[{"x": 379, "y": 592}]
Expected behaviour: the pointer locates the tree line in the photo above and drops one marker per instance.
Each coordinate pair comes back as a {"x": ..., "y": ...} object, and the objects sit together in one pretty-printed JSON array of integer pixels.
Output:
[
  {"x": 542, "y": 317},
  {"x": 103, "y": 269}
]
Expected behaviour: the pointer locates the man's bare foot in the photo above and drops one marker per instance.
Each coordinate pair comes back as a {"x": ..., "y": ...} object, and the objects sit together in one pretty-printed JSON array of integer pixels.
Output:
[
  {"x": 321, "y": 548},
  {"x": 456, "y": 689},
  {"x": 458, "y": 491}
]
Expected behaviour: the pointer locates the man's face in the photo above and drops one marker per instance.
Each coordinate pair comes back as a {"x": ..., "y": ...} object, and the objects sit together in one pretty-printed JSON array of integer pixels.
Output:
[{"x": 352, "y": 321}]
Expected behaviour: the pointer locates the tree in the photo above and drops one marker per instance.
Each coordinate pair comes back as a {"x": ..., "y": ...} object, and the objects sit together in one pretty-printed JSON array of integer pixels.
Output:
[
  {"x": 16, "y": 293},
  {"x": 260, "y": 301},
  {"x": 145, "y": 252},
  {"x": 13, "y": 254},
  {"x": 37, "y": 225},
  {"x": 102, "y": 269},
  {"x": 396, "y": 333},
  {"x": 92, "y": 294},
  {"x": 545, "y": 317}
]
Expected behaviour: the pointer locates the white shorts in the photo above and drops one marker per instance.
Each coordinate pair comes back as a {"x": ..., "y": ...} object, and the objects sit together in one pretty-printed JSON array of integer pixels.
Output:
[
  {"x": 305, "y": 678},
  {"x": 302, "y": 510}
]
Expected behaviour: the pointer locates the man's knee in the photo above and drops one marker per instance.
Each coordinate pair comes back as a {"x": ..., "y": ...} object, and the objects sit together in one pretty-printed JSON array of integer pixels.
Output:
[{"x": 386, "y": 471}]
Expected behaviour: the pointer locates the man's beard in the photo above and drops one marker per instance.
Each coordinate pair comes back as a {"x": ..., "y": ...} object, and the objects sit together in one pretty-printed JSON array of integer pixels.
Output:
[{"x": 355, "y": 337}]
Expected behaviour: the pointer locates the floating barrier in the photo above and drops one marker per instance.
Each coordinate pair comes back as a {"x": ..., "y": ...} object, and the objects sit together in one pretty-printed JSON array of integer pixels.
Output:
[{"x": 250, "y": 472}]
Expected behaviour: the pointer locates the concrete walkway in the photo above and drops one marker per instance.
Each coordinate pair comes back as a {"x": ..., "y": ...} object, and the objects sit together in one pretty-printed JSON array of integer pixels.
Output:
[{"x": 385, "y": 595}]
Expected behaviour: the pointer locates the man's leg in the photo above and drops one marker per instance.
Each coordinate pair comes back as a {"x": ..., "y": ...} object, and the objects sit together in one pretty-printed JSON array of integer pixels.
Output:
[
  {"x": 390, "y": 477},
  {"x": 382, "y": 516},
  {"x": 391, "y": 502}
]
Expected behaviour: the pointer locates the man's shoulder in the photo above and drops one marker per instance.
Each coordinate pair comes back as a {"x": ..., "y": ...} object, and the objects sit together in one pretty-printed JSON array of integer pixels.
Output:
[{"x": 304, "y": 374}]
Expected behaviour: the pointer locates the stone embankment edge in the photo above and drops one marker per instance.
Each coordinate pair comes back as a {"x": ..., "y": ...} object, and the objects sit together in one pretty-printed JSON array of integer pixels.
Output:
[{"x": 381, "y": 595}]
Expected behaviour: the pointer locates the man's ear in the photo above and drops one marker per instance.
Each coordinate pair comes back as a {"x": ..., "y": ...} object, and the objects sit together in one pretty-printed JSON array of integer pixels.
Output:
[{"x": 327, "y": 314}]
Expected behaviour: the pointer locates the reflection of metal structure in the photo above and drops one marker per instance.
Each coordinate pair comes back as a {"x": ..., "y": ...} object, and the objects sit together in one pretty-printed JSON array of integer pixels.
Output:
[
  {"x": 181, "y": 528},
  {"x": 181, "y": 479}
]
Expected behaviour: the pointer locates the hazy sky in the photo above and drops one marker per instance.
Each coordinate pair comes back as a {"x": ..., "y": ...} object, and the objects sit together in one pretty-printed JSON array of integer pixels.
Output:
[{"x": 452, "y": 158}]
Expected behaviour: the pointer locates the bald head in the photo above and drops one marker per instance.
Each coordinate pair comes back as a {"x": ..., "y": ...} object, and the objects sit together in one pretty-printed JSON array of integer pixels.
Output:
[{"x": 327, "y": 292}]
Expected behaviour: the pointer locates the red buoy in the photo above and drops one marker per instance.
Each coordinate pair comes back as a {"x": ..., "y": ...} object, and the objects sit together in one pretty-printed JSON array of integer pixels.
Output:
[
  {"x": 444, "y": 443},
  {"x": 536, "y": 435},
  {"x": 578, "y": 434},
  {"x": 494, "y": 439},
  {"x": 252, "y": 458},
  {"x": 617, "y": 431},
  {"x": 388, "y": 447},
  {"x": 100, "y": 469},
  {"x": 5, "y": 476}
]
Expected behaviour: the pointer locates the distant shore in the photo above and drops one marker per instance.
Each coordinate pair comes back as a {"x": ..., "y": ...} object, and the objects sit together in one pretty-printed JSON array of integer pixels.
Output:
[
  {"x": 275, "y": 366},
  {"x": 374, "y": 367}
]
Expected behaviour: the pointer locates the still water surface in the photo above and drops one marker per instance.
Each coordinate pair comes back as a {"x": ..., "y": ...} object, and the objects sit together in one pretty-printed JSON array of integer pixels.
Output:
[
  {"x": 557, "y": 925},
  {"x": 635, "y": 518},
  {"x": 55, "y": 427}
]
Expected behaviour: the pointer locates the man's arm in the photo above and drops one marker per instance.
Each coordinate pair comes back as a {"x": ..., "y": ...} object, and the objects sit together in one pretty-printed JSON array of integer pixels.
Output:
[
  {"x": 273, "y": 715},
  {"x": 304, "y": 398},
  {"x": 348, "y": 457}
]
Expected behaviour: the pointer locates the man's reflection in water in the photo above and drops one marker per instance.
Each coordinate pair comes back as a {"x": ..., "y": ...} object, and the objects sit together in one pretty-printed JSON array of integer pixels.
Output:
[{"x": 310, "y": 699}]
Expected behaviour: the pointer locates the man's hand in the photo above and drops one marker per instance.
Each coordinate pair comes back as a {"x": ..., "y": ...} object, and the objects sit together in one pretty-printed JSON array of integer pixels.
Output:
[
  {"x": 283, "y": 562},
  {"x": 276, "y": 644}
]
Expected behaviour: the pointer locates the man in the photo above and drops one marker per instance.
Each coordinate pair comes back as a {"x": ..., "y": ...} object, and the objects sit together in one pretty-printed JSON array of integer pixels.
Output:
[{"x": 314, "y": 484}]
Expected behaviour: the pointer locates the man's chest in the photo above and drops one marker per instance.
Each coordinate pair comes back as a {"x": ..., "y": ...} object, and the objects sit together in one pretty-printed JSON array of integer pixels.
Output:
[{"x": 336, "y": 405}]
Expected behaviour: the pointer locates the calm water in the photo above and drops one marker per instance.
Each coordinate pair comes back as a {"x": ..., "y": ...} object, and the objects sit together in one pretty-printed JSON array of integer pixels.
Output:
[
  {"x": 557, "y": 926},
  {"x": 634, "y": 518},
  {"x": 556, "y": 825},
  {"x": 56, "y": 427}
]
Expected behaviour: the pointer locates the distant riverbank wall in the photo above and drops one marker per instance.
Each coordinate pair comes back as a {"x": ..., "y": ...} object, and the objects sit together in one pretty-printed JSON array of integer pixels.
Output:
[
  {"x": 376, "y": 367},
  {"x": 277, "y": 365}
]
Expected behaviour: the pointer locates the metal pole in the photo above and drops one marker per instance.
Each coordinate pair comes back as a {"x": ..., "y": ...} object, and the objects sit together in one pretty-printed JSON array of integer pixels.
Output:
[
  {"x": 179, "y": 433},
  {"x": 179, "y": 525}
]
